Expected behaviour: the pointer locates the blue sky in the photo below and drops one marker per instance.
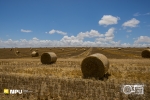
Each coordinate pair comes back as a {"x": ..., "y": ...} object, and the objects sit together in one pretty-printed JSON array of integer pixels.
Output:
[{"x": 25, "y": 23}]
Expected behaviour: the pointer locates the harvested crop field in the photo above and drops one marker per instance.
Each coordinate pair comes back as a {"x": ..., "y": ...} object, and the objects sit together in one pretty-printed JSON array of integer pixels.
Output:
[{"x": 63, "y": 79}]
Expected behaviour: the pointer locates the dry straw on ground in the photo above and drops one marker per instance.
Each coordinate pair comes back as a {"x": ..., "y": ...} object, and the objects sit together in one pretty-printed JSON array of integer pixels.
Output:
[
  {"x": 48, "y": 58},
  {"x": 95, "y": 65},
  {"x": 34, "y": 54},
  {"x": 30, "y": 49},
  {"x": 146, "y": 53}
]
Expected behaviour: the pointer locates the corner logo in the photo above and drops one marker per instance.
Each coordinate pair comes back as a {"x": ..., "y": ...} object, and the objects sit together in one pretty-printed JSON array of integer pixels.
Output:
[{"x": 6, "y": 91}]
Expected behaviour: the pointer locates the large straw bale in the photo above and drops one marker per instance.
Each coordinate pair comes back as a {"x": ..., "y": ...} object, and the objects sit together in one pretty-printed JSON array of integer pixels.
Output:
[
  {"x": 17, "y": 52},
  {"x": 146, "y": 53},
  {"x": 95, "y": 65},
  {"x": 103, "y": 48},
  {"x": 48, "y": 58},
  {"x": 119, "y": 48},
  {"x": 34, "y": 54}
]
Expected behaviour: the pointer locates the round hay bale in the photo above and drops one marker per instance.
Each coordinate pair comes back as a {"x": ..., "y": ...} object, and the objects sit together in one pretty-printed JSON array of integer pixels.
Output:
[
  {"x": 10, "y": 49},
  {"x": 95, "y": 65},
  {"x": 119, "y": 48},
  {"x": 34, "y": 54},
  {"x": 17, "y": 52},
  {"x": 146, "y": 53},
  {"x": 36, "y": 49},
  {"x": 48, "y": 58},
  {"x": 102, "y": 48}
]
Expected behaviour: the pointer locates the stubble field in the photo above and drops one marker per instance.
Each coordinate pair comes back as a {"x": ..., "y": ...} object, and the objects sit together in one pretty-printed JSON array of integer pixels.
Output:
[{"x": 63, "y": 79}]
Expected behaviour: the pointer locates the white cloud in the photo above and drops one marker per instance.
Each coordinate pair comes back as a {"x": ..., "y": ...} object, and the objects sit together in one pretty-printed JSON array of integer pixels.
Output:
[
  {"x": 35, "y": 38},
  {"x": 129, "y": 30},
  {"x": 147, "y": 13},
  {"x": 142, "y": 39},
  {"x": 108, "y": 20},
  {"x": 26, "y": 31},
  {"x": 105, "y": 40},
  {"x": 110, "y": 32},
  {"x": 91, "y": 34},
  {"x": 137, "y": 14},
  {"x": 100, "y": 40},
  {"x": 57, "y": 31},
  {"x": 126, "y": 45},
  {"x": 131, "y": 23}
]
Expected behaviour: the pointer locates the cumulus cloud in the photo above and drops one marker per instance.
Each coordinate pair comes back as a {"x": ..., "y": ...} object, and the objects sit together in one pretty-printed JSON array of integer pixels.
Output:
[
  {"x": 142, "y": 39},
  {"x": 57, "y": 31},
  {"x": 108, "y": 20},
  {"x": 26, "y": 31},
  {"x": 126, "y": 45},
  {"x": 35, "y": 38},
  {"x": 105, "y": 40},
  {"x": 110, "y": 32},
  {"x": 91, "y": 34},
  {"x": 78, "y": 40},
  {"x": 131, "y": 23}
]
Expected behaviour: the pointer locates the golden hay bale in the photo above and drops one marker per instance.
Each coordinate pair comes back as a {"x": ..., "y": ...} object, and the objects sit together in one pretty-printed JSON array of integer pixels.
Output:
[
  {"x": 119, "y": 48},
  {"x": 34, "y": 54},
  {"x": 17, "y": 52},
  {"x": 36, "y": 49},
  {"x": 48, "y": 57},
  {"x": 95, "y": 65},
  {"x": 10, "y": 49},
  {"x": 146, "y": 53},
  {"x": 102, "y": 48}
]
